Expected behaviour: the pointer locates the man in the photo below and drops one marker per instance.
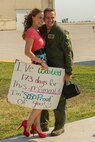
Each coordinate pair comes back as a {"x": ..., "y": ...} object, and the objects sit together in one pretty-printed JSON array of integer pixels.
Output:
[{"x": 59, "y": 54}]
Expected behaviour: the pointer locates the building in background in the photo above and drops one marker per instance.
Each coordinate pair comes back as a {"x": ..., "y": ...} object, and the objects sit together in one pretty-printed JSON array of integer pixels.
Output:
[{"x": 12, "y": 12}]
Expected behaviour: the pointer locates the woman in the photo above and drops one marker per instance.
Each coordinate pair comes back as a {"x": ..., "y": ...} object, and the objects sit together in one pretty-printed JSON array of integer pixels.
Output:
[{"x": 34, "y": 49}]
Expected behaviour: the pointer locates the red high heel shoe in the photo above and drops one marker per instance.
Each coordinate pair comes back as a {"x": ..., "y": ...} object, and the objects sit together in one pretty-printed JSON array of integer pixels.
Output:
[
  {"x": 41, "y": 134},
  {"x": 24, "y": 125}
]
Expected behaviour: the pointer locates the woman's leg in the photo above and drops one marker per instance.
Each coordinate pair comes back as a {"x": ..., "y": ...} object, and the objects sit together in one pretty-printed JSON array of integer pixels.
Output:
[
  {"x": 35, "y": 114},
  {"x": 37, "y": 123}
]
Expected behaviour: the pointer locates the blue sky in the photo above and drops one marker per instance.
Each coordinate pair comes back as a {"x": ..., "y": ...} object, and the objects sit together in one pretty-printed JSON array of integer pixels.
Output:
[{"x": 75, "y": 10}]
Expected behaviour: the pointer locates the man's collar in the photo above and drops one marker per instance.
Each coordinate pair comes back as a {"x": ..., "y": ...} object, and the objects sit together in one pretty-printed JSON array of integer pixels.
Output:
[{"x": 55, "y": 24}]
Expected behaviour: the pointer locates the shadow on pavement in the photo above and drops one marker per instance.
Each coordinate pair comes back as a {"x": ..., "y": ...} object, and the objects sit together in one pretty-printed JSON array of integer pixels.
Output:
[
  {"x": 26, "y": 139},
  {"x": 19, "y": 139}
]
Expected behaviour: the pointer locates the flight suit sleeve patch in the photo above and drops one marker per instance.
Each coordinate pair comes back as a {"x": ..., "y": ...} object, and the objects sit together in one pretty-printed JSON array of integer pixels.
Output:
[{"x": 67, "y": 36}]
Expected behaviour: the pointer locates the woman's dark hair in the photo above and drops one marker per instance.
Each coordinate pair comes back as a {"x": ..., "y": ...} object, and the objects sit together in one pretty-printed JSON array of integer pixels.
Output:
[{"x": 28, "y": 18}]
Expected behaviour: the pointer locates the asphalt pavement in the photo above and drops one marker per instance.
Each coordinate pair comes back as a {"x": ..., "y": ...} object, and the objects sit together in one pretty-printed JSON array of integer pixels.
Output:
[{"x": 83, "y": 44}]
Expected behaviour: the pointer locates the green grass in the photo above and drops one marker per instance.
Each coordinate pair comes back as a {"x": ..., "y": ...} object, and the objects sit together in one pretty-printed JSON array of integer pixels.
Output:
[{"x": 80, "y": 107}]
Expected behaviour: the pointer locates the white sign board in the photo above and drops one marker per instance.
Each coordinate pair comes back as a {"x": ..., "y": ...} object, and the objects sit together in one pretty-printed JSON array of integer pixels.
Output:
[{"x": 33, "y": 87}]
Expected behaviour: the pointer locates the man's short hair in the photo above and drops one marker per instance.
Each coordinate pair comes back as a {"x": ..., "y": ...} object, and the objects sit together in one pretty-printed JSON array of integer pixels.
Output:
[{"x": 49, "y": 10}]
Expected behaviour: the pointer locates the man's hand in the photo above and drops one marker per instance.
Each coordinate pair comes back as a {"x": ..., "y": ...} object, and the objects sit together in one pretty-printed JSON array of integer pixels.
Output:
[{"x": 67, "y": 77}]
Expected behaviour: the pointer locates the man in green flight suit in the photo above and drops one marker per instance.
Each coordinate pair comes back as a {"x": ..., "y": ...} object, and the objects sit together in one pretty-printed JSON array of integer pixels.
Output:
[{"x": 59, "y": 54}]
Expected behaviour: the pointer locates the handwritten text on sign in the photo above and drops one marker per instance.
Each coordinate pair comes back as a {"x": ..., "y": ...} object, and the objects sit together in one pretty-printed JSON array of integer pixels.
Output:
[{"x": 34, "y": 87}]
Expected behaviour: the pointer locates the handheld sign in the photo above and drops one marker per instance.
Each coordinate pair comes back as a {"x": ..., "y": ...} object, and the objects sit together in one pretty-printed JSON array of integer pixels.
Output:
[{"x": 33, "y": 87}]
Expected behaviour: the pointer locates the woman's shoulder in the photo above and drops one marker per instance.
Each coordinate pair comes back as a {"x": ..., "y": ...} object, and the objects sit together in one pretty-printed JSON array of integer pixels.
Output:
[
  {"x": 30, "y": 33},
  {"x": 31, "y": 30}
]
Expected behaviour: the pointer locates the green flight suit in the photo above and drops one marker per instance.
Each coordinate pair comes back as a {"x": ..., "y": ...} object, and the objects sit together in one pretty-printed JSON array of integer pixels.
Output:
[{"x": 59, "y": 54}]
